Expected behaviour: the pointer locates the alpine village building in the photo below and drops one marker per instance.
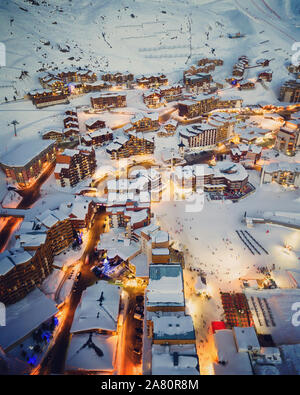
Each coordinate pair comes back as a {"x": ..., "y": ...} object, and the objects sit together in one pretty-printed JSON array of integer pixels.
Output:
[{"x": 74, "y": 165}]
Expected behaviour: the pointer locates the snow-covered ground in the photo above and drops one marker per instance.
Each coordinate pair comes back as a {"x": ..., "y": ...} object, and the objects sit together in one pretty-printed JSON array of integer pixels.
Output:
[
  {"x": 157, "y": 36},
  {"x": 211, "y": 245}
]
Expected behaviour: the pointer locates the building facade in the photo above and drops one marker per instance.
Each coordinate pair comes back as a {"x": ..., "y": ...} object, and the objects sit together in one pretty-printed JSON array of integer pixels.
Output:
[{"x": 75, "y": 165}]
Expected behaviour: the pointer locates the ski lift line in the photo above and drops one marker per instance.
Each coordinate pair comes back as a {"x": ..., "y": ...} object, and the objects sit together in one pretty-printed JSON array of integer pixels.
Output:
[
  {"x": 246, "y": 238},
  {"x": 257, "y": 242},
  {"x": 243, "y": 241}
]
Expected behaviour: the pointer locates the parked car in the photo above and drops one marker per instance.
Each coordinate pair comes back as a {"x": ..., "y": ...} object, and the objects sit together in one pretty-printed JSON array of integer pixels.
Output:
[
  {"x": 78, "y": 276},
  {"x": 138, "y": 316},
  {"x": 137, "y": 351}
]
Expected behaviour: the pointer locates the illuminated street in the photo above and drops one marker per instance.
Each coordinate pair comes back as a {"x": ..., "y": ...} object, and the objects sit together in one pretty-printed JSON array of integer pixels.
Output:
[{"x": 55, "y": 357}]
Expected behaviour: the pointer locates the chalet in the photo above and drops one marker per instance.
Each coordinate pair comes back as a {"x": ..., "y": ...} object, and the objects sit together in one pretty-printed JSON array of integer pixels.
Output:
[
  {"x": 72, "y": 112},
  {"x": 168, "y": 129},
  {"x": 98, "y": 137},
  {"x": 108, "y": 100},
  {"x": 198, "y": 82},
  {"x": 70, "y": 121},
  {"x": 93, "y": 124},
  {"x": 204, "y": 61},
  {"x": 205, "y": 103},
  {"x": 265, "y": 75},
  {"x": 145, "y": 122},
  {"x": 246, "y": 85},
  {"x": 59, "y": 134},
  {"x": 152, "y": 99},
  {"x": 246, "y": 152},
  {"x": 133, "y": 144},
  {"x": 71, "y": 124},
  {"x": 96, "y": 86},
  {"x": 152, "y": 81},
  {"x": 48, "y": 98},
  {"x": 170, "y": 93},
  {"x": 118, "y": 78}
]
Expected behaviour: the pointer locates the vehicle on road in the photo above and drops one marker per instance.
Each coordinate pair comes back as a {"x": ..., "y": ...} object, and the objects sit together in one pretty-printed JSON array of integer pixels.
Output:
[
  {"x": 137, "y": 351},
  {"x": 137, "y": 316},
  {"x": 78, "y": 276}
]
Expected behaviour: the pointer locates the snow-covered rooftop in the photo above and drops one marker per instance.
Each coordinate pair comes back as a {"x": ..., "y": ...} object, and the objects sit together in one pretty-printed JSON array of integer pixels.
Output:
[
  {"x": 81, "y": 356},
  {"x": 25, "y": 152},
  {"x": 94, "y": 314},
  {"x": 170, "y": 327},
  {"x": 174, "y": 360},
  {"x": 165, "y": 286},
  {"x": 25, "y": 316}
]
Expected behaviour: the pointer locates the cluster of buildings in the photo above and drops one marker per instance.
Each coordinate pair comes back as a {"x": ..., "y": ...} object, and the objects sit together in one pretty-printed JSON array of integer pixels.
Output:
[
  {"x": 152, "y": 81},
  {"x": 270, "y": 346},
  {"x": 157, "y": 97},
  {"x": 240, "y": 66},
  {"x": 58, "y": 86},
  {"x": 69, "y": 132},
  {"x": 171, "y": 333},
  {"x": 225, "y": 176},
  {"x": 143, "y": 122},
  {"x": 134, "y": 143},
  {"x": 219, "y": 127},
  {"x": 205, "y": 103},
  {"x": 198, "y": 80},
  {"x": 104, "y": 101},
  {"x": 37, "y": 242}
]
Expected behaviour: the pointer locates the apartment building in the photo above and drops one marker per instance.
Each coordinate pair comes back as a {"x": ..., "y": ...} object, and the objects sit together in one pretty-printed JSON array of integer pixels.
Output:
[{"x": 74, "y": 165}]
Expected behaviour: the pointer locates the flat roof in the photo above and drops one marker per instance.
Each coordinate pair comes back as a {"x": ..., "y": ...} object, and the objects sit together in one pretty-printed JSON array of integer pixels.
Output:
[
  {"x": 165, "y": 285},
  {"x": 24, "y": 153},
  {"x": 25, "y": 316}
]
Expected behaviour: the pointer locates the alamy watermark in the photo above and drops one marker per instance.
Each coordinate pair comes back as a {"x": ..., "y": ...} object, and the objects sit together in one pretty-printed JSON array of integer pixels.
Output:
[
  {"x": 2, "y": 55},
  {"x": 296, "y": 315},
  {"x": 2, "y": 314},
  {"x": 164, "y": 184}
]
